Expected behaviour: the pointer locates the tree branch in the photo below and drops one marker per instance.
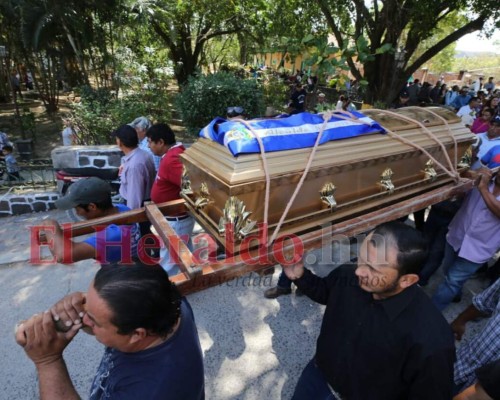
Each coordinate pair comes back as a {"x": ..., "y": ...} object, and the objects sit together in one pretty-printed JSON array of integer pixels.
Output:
[
  {"x": 331, "y": 22},
  {"x": 364, "y": 14},
  {"x": 472, "y": 26},
  {"x": 338, "y": 36},
  {"x": 166, "y": 39},
  {"x": 444, "y": 15},
  {"x": 209, "y": 36}
]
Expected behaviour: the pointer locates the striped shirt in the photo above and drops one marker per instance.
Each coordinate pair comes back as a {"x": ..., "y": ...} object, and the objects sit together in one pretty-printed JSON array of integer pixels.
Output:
[{"x": 485, "y": 346}]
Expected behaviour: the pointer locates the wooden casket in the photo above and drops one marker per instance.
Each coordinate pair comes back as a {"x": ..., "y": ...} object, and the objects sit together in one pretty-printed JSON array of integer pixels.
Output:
[{"x": 347, "y": 177}]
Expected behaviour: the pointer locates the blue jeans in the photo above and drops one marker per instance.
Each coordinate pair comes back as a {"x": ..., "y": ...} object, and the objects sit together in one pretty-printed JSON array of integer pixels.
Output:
[
  {"x": 184, "y": 229},
  {"x": 312, "y": 385},
  {"x": 456, "y": 271}
]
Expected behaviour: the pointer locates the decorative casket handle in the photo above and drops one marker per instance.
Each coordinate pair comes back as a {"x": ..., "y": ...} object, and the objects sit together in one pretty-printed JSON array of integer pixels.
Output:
[
  {"x": 466, "y": 160},
  {"x": 204, "y": 197},
  {"x": 430, "y": 172},
  {"x": 236, "y": 215},
  {"x": 327, "y": 192},
  {"x": 185, "y": 183},
  {"x": 385, "y": 180}
]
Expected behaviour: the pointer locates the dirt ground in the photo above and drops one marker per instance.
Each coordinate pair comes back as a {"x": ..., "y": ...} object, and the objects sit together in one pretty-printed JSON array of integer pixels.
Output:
[{"x": 48, "y": 128}]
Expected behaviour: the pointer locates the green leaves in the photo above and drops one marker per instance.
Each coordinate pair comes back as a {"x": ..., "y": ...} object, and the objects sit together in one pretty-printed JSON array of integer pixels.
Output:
[
  {"x": 364, "y": 52},
  {"x": 362, "y": 44},
  {"x": 205, "y": 97},
  {"x": 388, "y": 47},
  {"x": 100, "y": 112},
  {"x": 308, "y": 39}
]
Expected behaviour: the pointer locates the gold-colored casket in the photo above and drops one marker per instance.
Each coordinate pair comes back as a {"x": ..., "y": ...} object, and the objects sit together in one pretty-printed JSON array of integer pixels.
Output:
[{"x": 347, "y": 177}]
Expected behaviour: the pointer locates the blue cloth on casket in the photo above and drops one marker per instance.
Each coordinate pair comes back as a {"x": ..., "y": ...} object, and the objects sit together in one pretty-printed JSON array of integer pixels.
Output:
[{"x": 292, "y": 132}]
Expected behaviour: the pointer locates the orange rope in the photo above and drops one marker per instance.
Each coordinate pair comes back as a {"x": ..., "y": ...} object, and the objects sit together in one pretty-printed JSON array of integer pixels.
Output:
[
  {"x": 347, "y": 116},
  {"x": 326, "y": 118},
  {"x": 266, "y": 169},
  {"x": 452, "y": 172},
  {"x": 455, "y": 144}
]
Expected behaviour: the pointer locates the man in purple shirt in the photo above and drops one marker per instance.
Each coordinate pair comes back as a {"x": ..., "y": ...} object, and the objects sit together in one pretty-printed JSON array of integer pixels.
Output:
[
  {"x": 473, "y": 236},
  {"x": 138, "y": 170}
]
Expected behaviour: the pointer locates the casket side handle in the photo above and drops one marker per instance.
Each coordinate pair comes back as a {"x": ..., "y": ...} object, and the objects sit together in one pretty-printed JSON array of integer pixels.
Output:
[
  {"x": 466, "y": 160},
  {"x": 386, "y": 181},
  {"x": 185, "y": 183},
  {"x": 204, "y": 197},
  {"x": 429, "y": 171},
  {"x": 327, "y": 195},
  {"x": 236, "y": 216}
]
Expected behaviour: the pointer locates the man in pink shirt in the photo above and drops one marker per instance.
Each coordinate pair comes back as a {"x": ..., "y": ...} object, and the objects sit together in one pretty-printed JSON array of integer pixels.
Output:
[{"x": 473, "y": 236}]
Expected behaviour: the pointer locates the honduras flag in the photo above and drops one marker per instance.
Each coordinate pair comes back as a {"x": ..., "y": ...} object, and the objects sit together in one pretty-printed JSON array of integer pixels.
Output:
[{"x": 292, "y": 132}]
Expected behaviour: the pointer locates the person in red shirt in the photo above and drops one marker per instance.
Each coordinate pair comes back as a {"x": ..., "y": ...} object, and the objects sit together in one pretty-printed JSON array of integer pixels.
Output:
[{"x": 167, "y": 187}]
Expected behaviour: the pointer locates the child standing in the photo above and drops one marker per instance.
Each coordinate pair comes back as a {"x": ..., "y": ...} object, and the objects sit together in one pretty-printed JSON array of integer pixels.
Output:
[{"x": 11, "y": 164}]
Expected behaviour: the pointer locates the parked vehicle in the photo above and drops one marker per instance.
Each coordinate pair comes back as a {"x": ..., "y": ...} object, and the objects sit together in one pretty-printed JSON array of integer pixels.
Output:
[{"x": 65, "y": 178}]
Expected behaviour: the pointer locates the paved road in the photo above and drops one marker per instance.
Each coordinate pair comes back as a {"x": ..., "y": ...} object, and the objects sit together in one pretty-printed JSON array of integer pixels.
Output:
[{"x": 253, "y": 348}]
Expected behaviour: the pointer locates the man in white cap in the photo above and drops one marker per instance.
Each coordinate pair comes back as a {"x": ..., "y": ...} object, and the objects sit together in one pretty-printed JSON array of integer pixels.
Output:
[{"x": 322, "y": 105}]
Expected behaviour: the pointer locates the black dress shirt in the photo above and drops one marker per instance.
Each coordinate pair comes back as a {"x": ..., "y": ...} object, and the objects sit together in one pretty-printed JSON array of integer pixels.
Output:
[{"x": 397, "y": 348}]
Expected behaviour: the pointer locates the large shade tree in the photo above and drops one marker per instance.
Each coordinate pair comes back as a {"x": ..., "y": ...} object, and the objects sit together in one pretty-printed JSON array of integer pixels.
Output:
[
  {"x": 401, "y": 26},
  {"x": 59, "y": 40},
  {"x": 75, "y": 29},
  {"x": 186, "y": 26}
]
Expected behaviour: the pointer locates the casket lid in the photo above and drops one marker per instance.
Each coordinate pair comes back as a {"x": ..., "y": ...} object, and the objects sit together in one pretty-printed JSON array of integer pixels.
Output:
[{"x": 216, "y": 159}]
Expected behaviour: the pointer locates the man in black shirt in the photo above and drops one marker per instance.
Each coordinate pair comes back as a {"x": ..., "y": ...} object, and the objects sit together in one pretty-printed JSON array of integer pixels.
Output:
[{"x": 381, "y": 336}]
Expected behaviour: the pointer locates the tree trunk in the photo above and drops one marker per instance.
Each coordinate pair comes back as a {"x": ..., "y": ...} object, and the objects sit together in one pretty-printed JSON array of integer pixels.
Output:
[
  {"x": 4, "y": 79},
  {"x": 78, "y": 54},
  {"x": 16, "y": 104},
  {"x": 48, "y": 89},
  {"x": 185, "y": 66},
  {"x": 385, "y": 79},
  {"x": 243, "y": 49}
]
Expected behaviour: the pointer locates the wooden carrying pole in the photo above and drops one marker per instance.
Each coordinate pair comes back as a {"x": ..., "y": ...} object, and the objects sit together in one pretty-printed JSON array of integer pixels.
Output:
[
  {"x": 130, "y": 217},
  {"x": 217, "y": 273},
  {"x": 170, "y": 238},
  {"x": 195, "y": 277}
]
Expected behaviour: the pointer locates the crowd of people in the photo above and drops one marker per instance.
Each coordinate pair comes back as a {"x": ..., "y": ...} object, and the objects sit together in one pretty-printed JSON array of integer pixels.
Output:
[
  {"x": 476, "y": 105},
  {"x": 151, "y": 170},
  {"x": 382, "y": 336}
]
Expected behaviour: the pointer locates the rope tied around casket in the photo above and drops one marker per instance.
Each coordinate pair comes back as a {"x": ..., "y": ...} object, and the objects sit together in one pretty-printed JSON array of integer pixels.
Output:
[
  {"x": 326, "y": 118},
  {"x": 452, "y": 171},
  {"x": 345, "y": 115}
]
